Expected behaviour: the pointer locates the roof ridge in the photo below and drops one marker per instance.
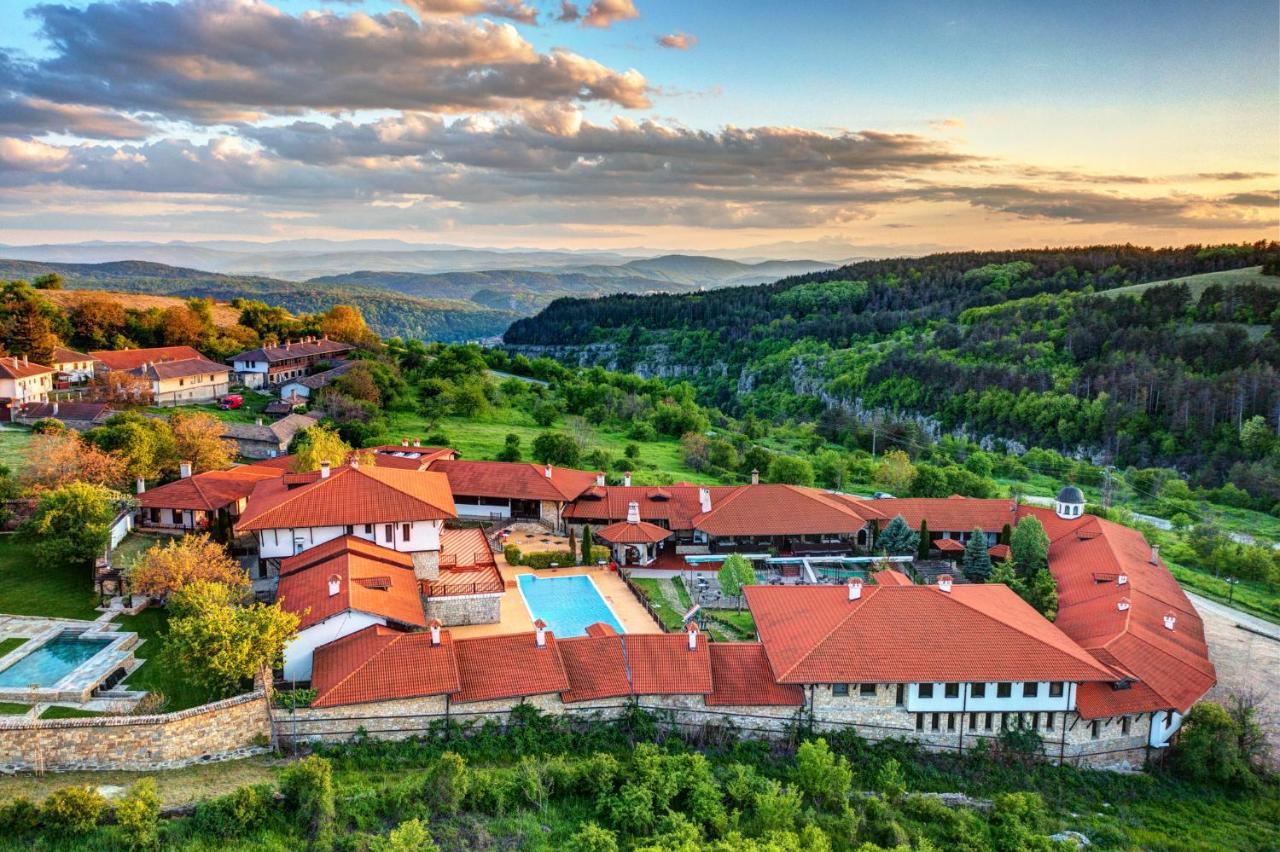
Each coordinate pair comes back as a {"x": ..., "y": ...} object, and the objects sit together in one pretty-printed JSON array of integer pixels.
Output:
[
  {"x": 306, "y": 488},
  {"x": 866, "y": 596},
  {"x": 367, "y": 660}
]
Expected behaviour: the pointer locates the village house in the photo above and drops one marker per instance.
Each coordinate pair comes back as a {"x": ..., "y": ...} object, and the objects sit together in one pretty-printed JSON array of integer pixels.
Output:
[
  {"x": 81, "y": 416},
  {"x": 260, "y": 440},
  {"x": 269, "y": 366},
  {"x": 306, "y": 386},
  {"x": 186, "y": 382},
  {"x": 22, "y": 381},
  {"x": 72, "y": 366},
  {"x": 201, "y": 502},
  {"x": 123, "y": 360},
  {"x": 503, "y": 491}
]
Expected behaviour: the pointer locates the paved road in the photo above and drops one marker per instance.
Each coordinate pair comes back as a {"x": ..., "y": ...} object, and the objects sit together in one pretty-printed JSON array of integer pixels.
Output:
[{"x": 1248, "y": 662}]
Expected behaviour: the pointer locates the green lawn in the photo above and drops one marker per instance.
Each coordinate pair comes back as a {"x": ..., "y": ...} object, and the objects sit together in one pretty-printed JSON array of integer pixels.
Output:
[
  {"x": 8, "y": 708},
  {"x": 254, "y": 404},
  {"x": 56, "y": 712},
  {"x": 14, "y": 442},
  {"x": 671, "y": 619},
  {"x": 30, "y": 587},
  {"x": 739, "y": 626},
  {"x": 155, "y": 675},
  {"x": 134, "y": 545},
  {"x": 1248, "y": 596},
  {"x": 7, "y": 645}
]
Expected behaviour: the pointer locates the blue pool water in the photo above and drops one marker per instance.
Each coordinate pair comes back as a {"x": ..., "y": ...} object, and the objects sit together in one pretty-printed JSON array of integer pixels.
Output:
[
  {"x": 51, "y": 662},
  {"x": 566, "y": 604}
]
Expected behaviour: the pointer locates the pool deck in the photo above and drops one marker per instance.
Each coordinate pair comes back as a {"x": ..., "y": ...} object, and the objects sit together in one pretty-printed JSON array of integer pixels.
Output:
[{"x": 515, "y": 617}]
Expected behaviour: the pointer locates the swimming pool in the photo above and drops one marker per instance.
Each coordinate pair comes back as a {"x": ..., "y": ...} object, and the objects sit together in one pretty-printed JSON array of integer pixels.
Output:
[
  {"x": 566, "y": 604},
  {"x": 52, "y": 661}
]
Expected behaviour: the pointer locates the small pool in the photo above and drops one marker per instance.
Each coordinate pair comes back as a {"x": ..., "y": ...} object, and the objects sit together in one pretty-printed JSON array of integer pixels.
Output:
[
  {"x": 566, "y": 604},
  {"x": 52, "y": 661}
]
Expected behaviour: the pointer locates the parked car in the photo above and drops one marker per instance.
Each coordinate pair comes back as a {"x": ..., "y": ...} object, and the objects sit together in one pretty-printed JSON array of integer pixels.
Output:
[
  {"x": 231, "y": 400},
  {"x": 882, "y": 495}
]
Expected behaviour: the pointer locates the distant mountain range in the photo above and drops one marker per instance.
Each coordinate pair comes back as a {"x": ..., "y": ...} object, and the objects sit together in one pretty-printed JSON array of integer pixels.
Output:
[{"x": 486, "y": 288}]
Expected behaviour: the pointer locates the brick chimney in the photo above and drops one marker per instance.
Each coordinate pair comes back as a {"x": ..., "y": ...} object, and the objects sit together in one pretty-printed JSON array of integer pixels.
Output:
[
  {"x": 435, "y": 631},
  {"x": 540, "y": 633},
  {"x": 184, "y": 470},
  {"x": 755, "y": 476},
  {"x": 692, "y": 630},
  {"x": 855, "y": 588},
  {"x": 633, "y": 512},
  {"x": 944, "y": 583}
]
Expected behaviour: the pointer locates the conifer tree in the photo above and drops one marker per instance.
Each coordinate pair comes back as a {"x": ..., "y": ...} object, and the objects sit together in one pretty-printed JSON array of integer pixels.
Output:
[{"x": 976, "y": 562}]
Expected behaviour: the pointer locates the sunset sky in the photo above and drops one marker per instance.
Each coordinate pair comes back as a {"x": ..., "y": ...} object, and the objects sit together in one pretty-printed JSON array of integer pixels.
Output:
[{"x": 889, "y": 127}]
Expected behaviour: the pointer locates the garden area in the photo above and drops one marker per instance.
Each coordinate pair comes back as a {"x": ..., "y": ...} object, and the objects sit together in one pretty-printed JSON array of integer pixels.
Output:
[
  {"x": 669, "y": 600},
  {"x": 33, "y": 586}
]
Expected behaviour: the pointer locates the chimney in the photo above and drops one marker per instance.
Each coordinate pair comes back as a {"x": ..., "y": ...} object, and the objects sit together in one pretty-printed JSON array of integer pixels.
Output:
[
  {"x": 324, "y": 469},
  {"x": 1122, "y": 604},
  {"x": 335, "y": 584},
  {"x": 755, "y": 476},
  {"x": 599, "y": 479},
  {"x": 1122, "y": 579},
  {"x": 626, "y": 479},
  {"x": 692, "y": 629},
  {"x": 1169, "y": 620},
  {"x": 704, "y": 499},
  {"x": 435, "y": 631},
  {"x": 140, "y": 484},
  {"x": 355, "y": 461},
  {"x": 417, "y": 442},
  {"x": 546, "y": 471},
  {"x": 184, "y": 470},
  {"x": 855, "y": 588},
  {"x": 1155, "y": 554},
  {"x": 25, "y": 361},
  {"x": 404, "y": 442},
  {"x": 540, "y": 633},
  {"x": 633, "y": 512},
  {"x": 944, "y": 583},
  {"x": 55, "y": 408},
  {"x": 258, "y": 421}
]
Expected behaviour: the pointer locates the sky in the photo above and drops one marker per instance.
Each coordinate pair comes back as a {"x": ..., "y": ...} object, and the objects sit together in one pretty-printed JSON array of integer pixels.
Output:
[{"x": 843, "y": 128}]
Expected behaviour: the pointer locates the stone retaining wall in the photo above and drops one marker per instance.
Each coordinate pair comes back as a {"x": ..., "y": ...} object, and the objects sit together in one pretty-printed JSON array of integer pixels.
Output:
[
  {"x": 456, "y": 610},
  {"x": 223, "y": 730}
]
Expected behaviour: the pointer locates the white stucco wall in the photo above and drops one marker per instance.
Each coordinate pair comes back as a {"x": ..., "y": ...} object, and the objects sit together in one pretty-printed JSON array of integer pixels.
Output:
[
  {"x": 279, "y": 543},
  {"x": 990, "y": 702},
  {"x": 298, "y": 653}
]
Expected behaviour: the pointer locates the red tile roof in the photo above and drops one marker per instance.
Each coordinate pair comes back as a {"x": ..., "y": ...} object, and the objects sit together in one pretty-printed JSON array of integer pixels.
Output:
[
  {"x": 1000, "y": 551},
  {"x": 349, "y": 495},
  {"x": 179, "y": 369},
  {"x": 951, "y": 514},
  {"x": 608, "y": 503},
  {"x": 12, "y": 367},
  {"x": 208, "y": 491},
  {"x": 307, "y": 348},
  {"x": 627, "y": 533},
  {"x": 740, "y": 676},
  {"x": 890, "y": 577},
  {"x": 662, "y": 664},
  {"x": 467, "y": 546},
  {"x": 344, "y": 544},
  {"x": 912, "y": 633},
  {"x": 948, "y": 545},
  {"x": 379, "y": 585},
  {"x": 784, "y": 510},
  {"x": 596, "y": 666},
  {"x": 63, "y": 355},
  {"x": 379, "y": 664},
  {"x": 509, "y": 666},
  {"x": 409, "y": 458},
  {"x": 515, "y": 480},
  {"x": 128, "y": 359}
]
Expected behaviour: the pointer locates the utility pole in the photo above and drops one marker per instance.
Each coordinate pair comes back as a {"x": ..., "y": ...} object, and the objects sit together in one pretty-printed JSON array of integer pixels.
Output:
[
  {"x": 1106, "y": 487},
  {"x": 873, "y": 443}
]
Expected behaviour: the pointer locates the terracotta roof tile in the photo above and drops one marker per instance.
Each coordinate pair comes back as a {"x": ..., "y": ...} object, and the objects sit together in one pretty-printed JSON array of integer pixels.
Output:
[
  {"x": 784, "y": 510},
  {"x": 128, "y": 359},
  {"x": 517, "y": 480},
  {"x": 378, "y": 585},
  {"x": 740, "y": 676},
  {"x": 596, "y": 666},
  {"x": 17, "y": 368},
  {"x": 179, "y": 369},
  {"x": 890, "y": 577},
  {"x": 208, "y": 491},
  {"x": 295, "y": 349},
  {"x": 381, "y": 664},
  {"x": 662, "y": 664},
  {"x": 350, "y": 495},
  {"x": 627, "y": 533},
  {"x": 509, "y": 666},
  {"x": 63, "y": 355},
  {"x": 608, "y": 503}
]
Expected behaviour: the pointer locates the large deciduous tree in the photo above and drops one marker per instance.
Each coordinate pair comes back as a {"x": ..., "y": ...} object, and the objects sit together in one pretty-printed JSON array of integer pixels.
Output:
[
  {"x": 198, "y": 438},
  {"x": 319, "y": 444},
  {"x": 168, "y": 568},
  {"x": 72, "y": 523},
  {"x": 895, "y": 473},
  {"x": 735, "y": 573},
  {"x": 56, "y": 459}
]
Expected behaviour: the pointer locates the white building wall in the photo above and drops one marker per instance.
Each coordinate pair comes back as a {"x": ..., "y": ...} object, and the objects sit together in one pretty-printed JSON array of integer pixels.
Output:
[
  {"x": 299, "y": 651},
  {"x": 295, "y": 387},
  {"x": 990, "y": 702},
  {"x": 1164, "y": 724},
  {"x": 279, "y": 543}
]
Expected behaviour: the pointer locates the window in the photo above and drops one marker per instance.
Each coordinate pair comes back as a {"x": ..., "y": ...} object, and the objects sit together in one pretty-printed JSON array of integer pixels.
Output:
[
  {"x": 1035, "y": 721},
  {"x": 389, "y": 533},
  {"x": 926, "y": 690},
  {"x": 935, "y": 721},
  {"x": 839, "y": 689},
  {"x": 368, "y": 529},
  {"x": 405, "y": 531},
  {"x": 978, "y": 690},
  {"x": 350, "y": 529},
  {"x": 901, "y": 697},
  {"x": 867, "y": 689},
  {"x": 1004, "y": 690},
  {"x": 1030, "y": 690},
  {"x": 951, "y": 721},
  {"x": 919, "y": 721},
  {"x": 986, "y": 723},
  {"x": 1124, "y": 725},
  {"x": 1048, "y": 721},
  {"x": 1055, "y": 690},
  {"x": 1004, "y": 721},
  {"x": 1095, "y": 729},
  {"x": 973, "y": 721},
  {"x": 951, "y": 690}
]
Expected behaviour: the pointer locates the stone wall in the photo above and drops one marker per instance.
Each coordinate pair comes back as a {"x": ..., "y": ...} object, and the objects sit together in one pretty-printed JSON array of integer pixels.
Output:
[
  {"x": 225, "y": 729},
  {"x": 455, "y": 610}
]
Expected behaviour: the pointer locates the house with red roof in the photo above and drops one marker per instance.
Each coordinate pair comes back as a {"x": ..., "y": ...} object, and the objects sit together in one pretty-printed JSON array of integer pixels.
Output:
[
  {"x": 22, "y": 382},
  {"x": 403, "y": 510},
  {"x": 199, "y": 502},
  {"x": 503, "y": 491},
  {"x": 269, "y": 366}
]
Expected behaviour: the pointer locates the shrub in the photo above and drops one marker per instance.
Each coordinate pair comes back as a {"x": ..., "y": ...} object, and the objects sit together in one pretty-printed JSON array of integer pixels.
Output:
[
  {"x": 890, "y": 780},
  {"x": 512, "y": 554},
  {"x": 776, "y": 807},
  {"x": 235, "y": 814},
  {"x": 592, "y": 838},
  {"x": 72, "y": 810},
  {"x": 1019, "y": 822},
  {"x": 308, "y": 793},
  {"x": 18, "y": 816},
  {"x": 408, "y": 836},
  {"x": 446, "y": 783},
  {"x": 824, "y": 777},
  {"x": 541, "y": 561},
  {"x": 138, "y": 814},
  {"x": 1208, "y": 748}
]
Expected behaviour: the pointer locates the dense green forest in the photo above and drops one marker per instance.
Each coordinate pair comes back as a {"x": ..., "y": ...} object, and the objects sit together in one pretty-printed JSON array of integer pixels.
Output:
[
  {"x": 1052, "y": 348},
  {"x": 387, "y": 312}
]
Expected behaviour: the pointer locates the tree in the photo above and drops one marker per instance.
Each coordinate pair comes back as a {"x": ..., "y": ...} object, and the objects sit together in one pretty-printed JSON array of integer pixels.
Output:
[
  {"x": 167, "y": 568},
  {"x": 318, "y": 444},
  {"x": 791, "y": 471},
  {"x": 197, "y": 438},
  {"x": 587, "y": 544},
  {"x": 976, "y": 562},
  {"x": 308, "y": 795},
  {"x": 1208, "y": 747},
  {"x": 72, "y": 523},
  {"x": 1256, "y": 437},
  {"x": 510, "y": 451},
  {"x": 25, "y": 323},
  {"x": 897, "y": 538},
  {"x": 1041, "y": 592},
  {"x": 1002, "y": 572},
  {"x": 696, "y": 450},
  {"x": 49, "y": 281},
  {"x": 138, "y": 814},
  {"x": 181, "y": 326},
  {"x": 58, "y": 459},
  {"x": 922, "y": 551},
  {"x": 545, "y": 413},
  {"x": 823, "y": 776},
  {"x": 346, "y": 323},
  {"x": 895, "y": 473},
  {"x": 96, "y": 322},
  {"x": 1030, "y": 546},
  {"x": 929, "y": 481},
  {"x": 408, "y": 836},
  {"x": 146, "y": 444},
  {"x": 221, "y": 644},
  {"x": 735, "y": 572},
  {"x": 831, "y": 469},
  {"x": 556, "y": 448}
]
